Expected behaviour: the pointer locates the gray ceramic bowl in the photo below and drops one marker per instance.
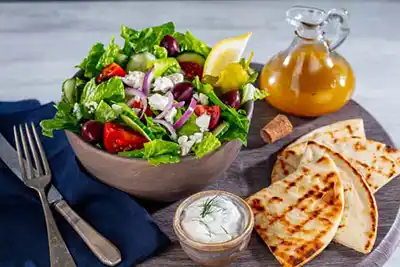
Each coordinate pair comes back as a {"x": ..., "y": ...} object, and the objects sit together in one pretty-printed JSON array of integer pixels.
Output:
[{"x": 166, "y": 182}]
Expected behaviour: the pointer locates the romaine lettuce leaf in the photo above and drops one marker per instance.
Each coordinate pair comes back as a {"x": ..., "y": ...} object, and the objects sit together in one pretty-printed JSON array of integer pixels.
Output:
[
  {"x": 187, "y": 42},
  {"x": 164, "y": 66},
  {"x": 104, "y": 112},
  {"x": 64, "y": 119},
  {"x": 235, "y": 133},
  {"x": 190, "y": 127},
  {"x": 249, "y": 92},
  {"x": 160, "y": 52},
  {"x": 144, "y": 40},
  {"x": 207, "y": 145},
  {"x": 159, "y": 151},
  {"x": 138, "y": 153},
  {"x": 88, "y": 65},
  {"x": 109, "y": 55},
  {"x": 155, "y": 128},
  {"x": 110, "y": 90}
]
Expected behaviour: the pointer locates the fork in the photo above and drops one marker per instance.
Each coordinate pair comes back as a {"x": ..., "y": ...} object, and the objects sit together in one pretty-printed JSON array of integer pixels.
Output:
[{"x": 38, "y": 178}]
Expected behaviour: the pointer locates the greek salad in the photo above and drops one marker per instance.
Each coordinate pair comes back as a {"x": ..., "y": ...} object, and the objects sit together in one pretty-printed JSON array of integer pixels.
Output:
[{"x": 150, "y": 98}]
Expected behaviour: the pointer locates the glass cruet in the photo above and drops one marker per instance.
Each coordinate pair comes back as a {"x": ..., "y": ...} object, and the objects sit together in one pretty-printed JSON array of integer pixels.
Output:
[{"x": 310, "y": 78}]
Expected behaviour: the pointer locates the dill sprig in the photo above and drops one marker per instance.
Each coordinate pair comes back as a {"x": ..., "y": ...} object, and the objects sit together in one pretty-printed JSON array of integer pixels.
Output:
[{"x": 209, "y": 206}]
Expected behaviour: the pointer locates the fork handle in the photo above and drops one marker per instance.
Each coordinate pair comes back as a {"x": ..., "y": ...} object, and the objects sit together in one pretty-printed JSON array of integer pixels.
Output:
[
  {"x": 59, "y": 254},
  {"x": 104, "y": 250}
]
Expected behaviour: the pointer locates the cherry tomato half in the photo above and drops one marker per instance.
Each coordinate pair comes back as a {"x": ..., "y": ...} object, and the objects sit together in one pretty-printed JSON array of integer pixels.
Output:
[
  {"x": 139, "y": 105},
  {"x": 191, "y": 69},
  {"x": 118, "y": 138},
  {"x": 110, "y": 71},
  {"x": 213, "y": 111}
]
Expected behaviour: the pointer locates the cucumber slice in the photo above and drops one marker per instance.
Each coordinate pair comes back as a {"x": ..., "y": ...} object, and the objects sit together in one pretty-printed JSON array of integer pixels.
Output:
[
  {"x": 138, "y": 126},
  {"x": 121, "y": 59},
  {"x": 191, "y": 57},
  {"x": 221, "y": 129},
  {"x": 69, "y": 91}
]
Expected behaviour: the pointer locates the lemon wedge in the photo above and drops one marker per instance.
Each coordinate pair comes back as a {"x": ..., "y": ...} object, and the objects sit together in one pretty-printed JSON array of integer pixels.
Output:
[{"x": 224, "y": 53}]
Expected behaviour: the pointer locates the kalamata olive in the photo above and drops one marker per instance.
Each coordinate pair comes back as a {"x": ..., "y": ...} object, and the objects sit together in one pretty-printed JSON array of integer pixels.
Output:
[
  {"x": 171, "y": 45},
  {"x": 183, "y": 91},
  {"x": 232, "y": 99},
  {"x": 92, "y": 131}
]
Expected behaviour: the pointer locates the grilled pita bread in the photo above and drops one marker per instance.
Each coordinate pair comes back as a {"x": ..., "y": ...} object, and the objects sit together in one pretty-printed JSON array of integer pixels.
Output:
[
  {"x": 358, "y": 227},
  {"x": 288, "y": 160},
  {"x": 377, "y": 162},
  {"x": 298, "y": 216},
  {"x": 337, "y": 130}
]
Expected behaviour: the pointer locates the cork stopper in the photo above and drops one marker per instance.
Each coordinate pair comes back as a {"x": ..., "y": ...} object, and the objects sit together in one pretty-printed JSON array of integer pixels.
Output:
[{"x": 276, "y": 129}]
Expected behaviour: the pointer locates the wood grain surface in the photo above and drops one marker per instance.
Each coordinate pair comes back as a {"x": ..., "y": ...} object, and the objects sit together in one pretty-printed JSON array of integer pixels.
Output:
[{"x": 251, "y": 171}]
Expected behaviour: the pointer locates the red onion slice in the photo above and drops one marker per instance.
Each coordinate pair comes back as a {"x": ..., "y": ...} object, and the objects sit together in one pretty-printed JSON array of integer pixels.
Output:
[
  {"x": 167, "y": 107},
  {"x": 141, "y": 95},
  {"x": 147, "y": 81},
  {"x": 186, "y": 115},
  {"x": 179, "y": 104},
  {"x": 169, "y": 127}
]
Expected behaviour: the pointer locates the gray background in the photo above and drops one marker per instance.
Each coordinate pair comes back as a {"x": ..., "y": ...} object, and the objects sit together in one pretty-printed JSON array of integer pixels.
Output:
[{"x": 40, "y": 43}]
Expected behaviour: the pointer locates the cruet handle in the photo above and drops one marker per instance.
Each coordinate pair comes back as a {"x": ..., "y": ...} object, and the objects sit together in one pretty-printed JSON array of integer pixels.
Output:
[{"x": 339, "y": 19}]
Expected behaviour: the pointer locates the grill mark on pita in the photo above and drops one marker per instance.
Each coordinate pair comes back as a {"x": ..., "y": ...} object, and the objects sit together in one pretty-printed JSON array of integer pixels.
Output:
[
  {"x": 275, "y": 200},
  {"x": 293, "y": 183},
  {"x": 331, "y": 135},
  {"x": 348, "y": 127},
  {"x": 341, "y": 226},
  {"x": 305, "y": 170},
  {"x": 378, "y": 146},
  {"x": 359, "y": 147},
  {"x": 323, "y": 160},
  {"x": 256, "y": 205},
  {"x": 287, "y": 153},
  {"x": 389, "y": 149},
  {"x": 310, "y": 193},
  {"x": 365, "y": 165}
]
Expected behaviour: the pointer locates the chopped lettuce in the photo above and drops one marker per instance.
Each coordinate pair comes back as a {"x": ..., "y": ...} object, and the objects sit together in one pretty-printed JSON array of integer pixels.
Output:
[
  {"x": 190, "y": 127},
  {"x": 187, "y": 42},
  {"x": 144, "y": 40},
  {"x": 63, "y": 120},
  {"x": 105, "y": 113},
  {"x": 207, "y": 145},
  {"x": 155, "y": 128},
  {"x": 89, "y": 64},
  {"x": 138, "y": 153},
  {"x": 160, "y": 52},
  {"x": 109, "y": 55},
  {"x": 250, "y": 92},
  {"x": 111, "y": 90},
  {"x": 164, "y": 66},
  {"x": 235, "y": 133},
  {"x": 159, "y": 151}
]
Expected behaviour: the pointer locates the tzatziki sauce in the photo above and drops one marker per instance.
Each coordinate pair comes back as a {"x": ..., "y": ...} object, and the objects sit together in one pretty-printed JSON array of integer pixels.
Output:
[{"x": 213, "y": 219}]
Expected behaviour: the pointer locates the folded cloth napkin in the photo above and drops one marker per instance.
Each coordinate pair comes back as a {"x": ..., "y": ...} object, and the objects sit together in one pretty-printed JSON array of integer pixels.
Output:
[{"x": 23, "y": 237}]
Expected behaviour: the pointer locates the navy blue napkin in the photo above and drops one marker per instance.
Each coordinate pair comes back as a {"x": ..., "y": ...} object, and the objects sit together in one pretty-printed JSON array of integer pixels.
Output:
[{"x": 23, "y": 237}]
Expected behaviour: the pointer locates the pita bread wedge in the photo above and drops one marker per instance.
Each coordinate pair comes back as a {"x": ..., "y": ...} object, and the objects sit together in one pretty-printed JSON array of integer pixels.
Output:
[
  {"x": 358, "y": 227},
  {"x": 288, "y": 160},
  {"x": 298, "y": 216},
  {"x": 337, "y": 130},
  {"x": 378, "y": 163}
]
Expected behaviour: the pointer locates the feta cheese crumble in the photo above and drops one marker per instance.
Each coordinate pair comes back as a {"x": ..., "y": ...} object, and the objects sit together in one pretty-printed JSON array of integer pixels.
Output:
[
  {"x": 176, "y": 78},
  {"x": 185, "y": 144},
  {"x": 203, "y": 121},
  {"x": 162, "y": 84},
  {"x": 169, "y": 117},
  {"x": 135, "y": 79},
  {"x": 202, "y": 98},
  {"x": 158, "y": 102},
  {"x": 196, "y": 137}
]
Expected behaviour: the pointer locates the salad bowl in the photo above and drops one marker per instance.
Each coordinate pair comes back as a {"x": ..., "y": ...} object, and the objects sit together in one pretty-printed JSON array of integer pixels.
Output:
[
  {"x": 162, "y": 116},
  {"x": 165, "y": 182}
]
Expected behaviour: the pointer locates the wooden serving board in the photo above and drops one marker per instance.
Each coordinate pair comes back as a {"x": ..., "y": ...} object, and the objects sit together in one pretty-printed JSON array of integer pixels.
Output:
[{"x": 251, "y": 172}]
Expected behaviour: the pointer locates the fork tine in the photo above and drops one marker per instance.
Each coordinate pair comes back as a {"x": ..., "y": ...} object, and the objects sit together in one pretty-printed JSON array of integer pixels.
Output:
[
  {"x": 27, "y": 155},
  {"x": 19, "y": 152},
  {"x": 34, "y": 151},
  {"x": 41, "y": 150}
]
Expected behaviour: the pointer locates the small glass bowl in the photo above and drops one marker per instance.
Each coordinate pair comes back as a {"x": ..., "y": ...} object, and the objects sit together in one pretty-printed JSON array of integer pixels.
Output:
[{"x": 214, "y": 254}]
